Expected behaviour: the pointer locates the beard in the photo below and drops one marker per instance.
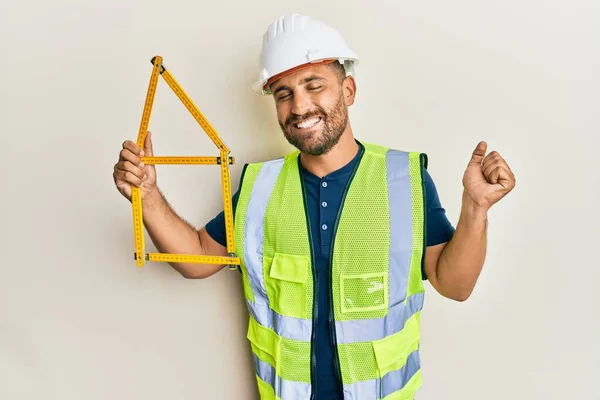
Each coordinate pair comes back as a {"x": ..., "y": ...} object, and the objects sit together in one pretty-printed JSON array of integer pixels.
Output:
[{"x": 334, "y": 122}]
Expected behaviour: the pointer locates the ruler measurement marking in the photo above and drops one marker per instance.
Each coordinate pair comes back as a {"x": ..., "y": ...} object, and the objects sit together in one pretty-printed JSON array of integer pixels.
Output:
[
  {"x": 189, "y": 104},
  {"x": 191, "y": 258}
]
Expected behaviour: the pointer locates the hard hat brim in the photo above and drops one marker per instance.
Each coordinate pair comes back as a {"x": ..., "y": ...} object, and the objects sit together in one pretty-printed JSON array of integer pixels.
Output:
[{"x": 263, "y": 86}]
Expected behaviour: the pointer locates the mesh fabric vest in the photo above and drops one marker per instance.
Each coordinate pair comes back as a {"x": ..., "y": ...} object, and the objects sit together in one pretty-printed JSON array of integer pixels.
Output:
[{"x": 375, "y": 280}]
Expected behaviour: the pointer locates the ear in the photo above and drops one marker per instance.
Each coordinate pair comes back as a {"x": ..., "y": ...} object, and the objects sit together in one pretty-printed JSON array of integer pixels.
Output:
[{"x": 349, "y": 88}]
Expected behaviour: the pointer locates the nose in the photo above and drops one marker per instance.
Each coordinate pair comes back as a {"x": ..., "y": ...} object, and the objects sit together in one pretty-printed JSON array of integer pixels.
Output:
[{"x": 301, "y": 103}]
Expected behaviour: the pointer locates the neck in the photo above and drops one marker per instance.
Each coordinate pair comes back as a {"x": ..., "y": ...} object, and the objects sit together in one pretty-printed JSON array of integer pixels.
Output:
[{"x": 341, "y": 154}]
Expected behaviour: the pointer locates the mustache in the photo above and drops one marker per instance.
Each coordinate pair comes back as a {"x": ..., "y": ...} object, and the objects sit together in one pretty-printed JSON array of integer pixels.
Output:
[{"x": 294, "y": 118}]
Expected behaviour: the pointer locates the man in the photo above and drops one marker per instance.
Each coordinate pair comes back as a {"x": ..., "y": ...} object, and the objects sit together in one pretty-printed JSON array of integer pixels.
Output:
[{"x": 335, "y": 238}]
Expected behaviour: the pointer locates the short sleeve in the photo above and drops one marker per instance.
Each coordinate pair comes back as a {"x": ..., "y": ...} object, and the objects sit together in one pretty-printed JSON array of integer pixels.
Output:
[
  {"x": 439, "y": 228},
  {"x": 216, "y": 226}
]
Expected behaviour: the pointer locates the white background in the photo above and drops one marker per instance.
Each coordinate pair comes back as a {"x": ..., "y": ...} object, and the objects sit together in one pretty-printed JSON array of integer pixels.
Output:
[{"x": 79, "y": 320}]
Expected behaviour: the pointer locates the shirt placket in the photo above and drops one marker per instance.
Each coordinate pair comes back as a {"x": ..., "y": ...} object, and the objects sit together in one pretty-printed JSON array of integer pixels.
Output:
[{"x": 324, "y": 216}]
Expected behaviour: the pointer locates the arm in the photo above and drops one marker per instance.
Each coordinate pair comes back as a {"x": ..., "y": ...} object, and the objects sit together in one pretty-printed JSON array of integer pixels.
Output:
[
  {"x": 454, "y": 267},
  {"x": 171, "y": 234}
]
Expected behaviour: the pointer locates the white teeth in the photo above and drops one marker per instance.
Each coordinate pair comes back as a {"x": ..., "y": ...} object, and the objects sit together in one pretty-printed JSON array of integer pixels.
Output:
[{"x": 308, "y": 124}]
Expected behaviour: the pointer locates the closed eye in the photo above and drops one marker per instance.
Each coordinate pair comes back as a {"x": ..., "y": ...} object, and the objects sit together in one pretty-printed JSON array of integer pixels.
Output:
[{"x": 284, "y": 96}]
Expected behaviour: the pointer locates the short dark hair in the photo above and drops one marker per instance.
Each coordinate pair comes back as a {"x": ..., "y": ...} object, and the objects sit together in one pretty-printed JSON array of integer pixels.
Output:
[{"x": 339, "y": 70}]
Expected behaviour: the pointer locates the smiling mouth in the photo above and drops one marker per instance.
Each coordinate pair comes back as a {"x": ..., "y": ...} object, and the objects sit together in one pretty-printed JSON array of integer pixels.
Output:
[{"x": 309, "y": 123}]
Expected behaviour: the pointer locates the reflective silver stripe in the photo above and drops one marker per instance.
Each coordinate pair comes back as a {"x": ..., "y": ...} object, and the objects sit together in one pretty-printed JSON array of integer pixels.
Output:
[
  {"x": 348, "y": 331},
  {"x": 366, "y": 330},
  {"x": 390, "y": 383},
  {"x": 396, "y": 380},
  {"x": 400, "y": 203},
  {"x": 265, "y": 371},
  {"x": 286, "y": 390},
  {"x": 370, "y": 390},
  {"x": 287, "y": 327},
  {"x": 401, "y": 251},
  {"x": 254, "y": 229}
]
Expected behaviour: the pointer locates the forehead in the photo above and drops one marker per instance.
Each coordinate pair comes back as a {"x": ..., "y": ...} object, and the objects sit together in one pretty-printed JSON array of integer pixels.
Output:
[{"x": 300, "y": 76}]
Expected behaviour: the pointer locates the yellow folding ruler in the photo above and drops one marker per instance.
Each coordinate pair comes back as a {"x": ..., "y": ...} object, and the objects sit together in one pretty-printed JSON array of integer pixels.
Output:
[{"x": 224, "y": 160}]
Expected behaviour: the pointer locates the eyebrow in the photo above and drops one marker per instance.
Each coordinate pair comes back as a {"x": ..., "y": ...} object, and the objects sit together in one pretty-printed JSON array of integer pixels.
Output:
[{"x": 302, "y": 82}]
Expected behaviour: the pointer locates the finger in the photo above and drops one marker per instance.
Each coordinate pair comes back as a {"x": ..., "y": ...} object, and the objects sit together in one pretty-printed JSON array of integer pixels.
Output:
[
  {"x": 487, "y": 167},
  {"x": 501, "y": 176},
  {"x": 128, "y": 155},
  {"x": 148, "y": 151},
  {"x": 127, "y": 166},
  {"x": 492, "y": 156},
  {"x": 132, "y": 147},
  {"x": 494, "y": 175},
  {"x": 127, "y": 176},
  {"x": 506, "y": 178},
  {"x": 478, "y": 153}
]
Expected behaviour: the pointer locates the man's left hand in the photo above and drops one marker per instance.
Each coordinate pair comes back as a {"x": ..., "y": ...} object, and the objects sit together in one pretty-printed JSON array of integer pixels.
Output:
[{"x": 488, "y": 178}]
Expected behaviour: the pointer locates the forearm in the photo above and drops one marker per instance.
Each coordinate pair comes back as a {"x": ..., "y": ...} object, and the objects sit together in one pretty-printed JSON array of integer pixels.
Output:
[
  {"x": 461, "y": 261},
  {"x": 168, "y": 231}
]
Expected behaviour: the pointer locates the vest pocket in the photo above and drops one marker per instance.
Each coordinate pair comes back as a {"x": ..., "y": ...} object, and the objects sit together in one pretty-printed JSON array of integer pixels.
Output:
[
  {"x": 364, "y": 293},
  {"x": 391, "y": 352},
  {"x": 286, "y": 278}
]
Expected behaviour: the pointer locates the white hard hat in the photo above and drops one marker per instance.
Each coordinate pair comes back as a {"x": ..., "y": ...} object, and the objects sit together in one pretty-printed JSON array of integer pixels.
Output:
[{"x": 295, "y": 40}]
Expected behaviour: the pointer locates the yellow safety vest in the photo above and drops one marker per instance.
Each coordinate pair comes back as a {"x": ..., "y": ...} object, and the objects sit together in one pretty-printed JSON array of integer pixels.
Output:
[{"x": 376, "y": 284}]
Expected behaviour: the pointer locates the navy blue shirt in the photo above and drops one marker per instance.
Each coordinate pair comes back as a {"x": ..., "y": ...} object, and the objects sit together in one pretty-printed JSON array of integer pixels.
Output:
[{"x": 323, "y": 200}]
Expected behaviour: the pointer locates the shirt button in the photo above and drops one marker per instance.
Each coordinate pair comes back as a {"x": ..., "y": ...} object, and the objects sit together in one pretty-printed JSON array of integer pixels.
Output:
[
  {"x": 324, "y": 227},
  {"x": 324, "y": 204},
  {"x": 324, "y": 184}
]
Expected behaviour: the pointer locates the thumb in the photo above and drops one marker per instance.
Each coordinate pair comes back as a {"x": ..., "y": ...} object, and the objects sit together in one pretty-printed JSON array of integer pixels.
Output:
[
  {"x": 478, "y": 153},
  {"x": 148, "y": 152}
]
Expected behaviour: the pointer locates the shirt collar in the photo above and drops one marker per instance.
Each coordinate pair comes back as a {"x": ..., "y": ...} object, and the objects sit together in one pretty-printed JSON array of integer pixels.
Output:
[{"x": 342, "y": 172}]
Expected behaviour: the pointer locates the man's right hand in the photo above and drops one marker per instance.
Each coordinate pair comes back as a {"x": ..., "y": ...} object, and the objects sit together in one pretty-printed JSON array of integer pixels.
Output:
[{"x": 130, "y": 170}]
